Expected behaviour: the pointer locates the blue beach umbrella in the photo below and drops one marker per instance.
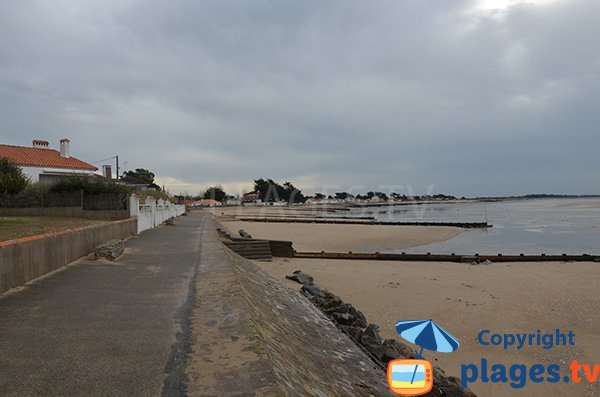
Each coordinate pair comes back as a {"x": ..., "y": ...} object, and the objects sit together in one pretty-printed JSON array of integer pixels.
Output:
[{"x": 428, "y": 335}]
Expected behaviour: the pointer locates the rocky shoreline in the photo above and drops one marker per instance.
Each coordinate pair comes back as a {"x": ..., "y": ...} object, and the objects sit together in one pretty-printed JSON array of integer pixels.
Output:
[{"x": 366, "y": 336}]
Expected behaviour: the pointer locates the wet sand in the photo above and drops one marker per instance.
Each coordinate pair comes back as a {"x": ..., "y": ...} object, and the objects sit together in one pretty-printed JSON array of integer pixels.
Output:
[
  {"x": 463, "y": 298},
  {"x": 343, "y": 238}
]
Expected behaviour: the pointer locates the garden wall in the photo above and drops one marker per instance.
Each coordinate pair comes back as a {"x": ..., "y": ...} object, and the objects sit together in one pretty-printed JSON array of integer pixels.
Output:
[{"x": 27, "y": 258}]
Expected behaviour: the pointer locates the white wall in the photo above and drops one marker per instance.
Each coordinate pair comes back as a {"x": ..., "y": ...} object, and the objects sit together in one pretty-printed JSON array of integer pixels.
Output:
[{"x": 151, "y": 212}]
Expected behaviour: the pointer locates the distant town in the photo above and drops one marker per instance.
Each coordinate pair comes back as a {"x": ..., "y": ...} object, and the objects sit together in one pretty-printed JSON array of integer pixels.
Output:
[{"x": 270, "y": 192}]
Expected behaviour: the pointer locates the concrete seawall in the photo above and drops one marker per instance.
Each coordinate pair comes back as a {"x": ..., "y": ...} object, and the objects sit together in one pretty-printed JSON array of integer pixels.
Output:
[
  {"x": 306, "y": 354},
  {"x": 27, "y": 258},
  {"x": 310, "y": 356}
]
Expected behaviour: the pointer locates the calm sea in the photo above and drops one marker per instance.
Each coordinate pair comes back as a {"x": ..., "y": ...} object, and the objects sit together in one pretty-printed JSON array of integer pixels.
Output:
[{"x": 551, "y": 226}]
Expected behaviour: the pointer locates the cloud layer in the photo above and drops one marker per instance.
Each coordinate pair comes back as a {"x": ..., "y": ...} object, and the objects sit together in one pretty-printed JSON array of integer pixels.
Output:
[{"x": 472, "y": 97}]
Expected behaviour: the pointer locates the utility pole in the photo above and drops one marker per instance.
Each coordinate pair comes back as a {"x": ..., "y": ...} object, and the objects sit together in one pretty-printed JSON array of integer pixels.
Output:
[{"x": 117, "y": 157}]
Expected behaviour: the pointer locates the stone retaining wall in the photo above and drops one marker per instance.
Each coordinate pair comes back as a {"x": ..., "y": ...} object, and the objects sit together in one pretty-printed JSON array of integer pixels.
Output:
[
  {"x": 27, "y": 258},
  {"x": 310, "y": 356}
]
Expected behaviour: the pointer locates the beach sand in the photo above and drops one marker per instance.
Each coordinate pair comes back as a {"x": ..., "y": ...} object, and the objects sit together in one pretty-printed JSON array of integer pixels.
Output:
[
  {"x": 462, "y": 298},
  {"x": 343, "y": 238}
]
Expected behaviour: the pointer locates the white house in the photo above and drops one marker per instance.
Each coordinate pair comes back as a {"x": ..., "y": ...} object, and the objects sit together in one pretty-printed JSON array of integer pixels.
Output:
[{"x": 40, "y": 163}]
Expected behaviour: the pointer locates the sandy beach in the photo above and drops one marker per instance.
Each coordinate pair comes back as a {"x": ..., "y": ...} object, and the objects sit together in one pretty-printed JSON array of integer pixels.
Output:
[
  {"x": 343, "y": 238},
  {"x": 463, "y": 298}
]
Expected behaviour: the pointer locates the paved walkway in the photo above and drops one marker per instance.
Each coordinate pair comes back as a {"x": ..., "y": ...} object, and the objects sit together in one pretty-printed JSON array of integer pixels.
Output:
[
  {"x": 228, "y": 357},
  {"x": 105, "y": 329},
  {"x": 176, "y": 315}
]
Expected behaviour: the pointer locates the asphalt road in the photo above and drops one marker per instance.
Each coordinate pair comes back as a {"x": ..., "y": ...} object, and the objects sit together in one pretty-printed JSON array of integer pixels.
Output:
[{"x": 105, "y": 329}]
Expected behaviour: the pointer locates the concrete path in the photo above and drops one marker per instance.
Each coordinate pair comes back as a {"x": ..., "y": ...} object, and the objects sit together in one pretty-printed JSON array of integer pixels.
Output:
[
  {"x": 177, "y": 315},
  {"x": 227, "y": 357},
  {"x": 105, "y": 329}
]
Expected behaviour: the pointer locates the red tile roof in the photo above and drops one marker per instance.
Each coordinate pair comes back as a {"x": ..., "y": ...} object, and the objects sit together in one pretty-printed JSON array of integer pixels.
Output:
[{"x": 34, "y": 157}]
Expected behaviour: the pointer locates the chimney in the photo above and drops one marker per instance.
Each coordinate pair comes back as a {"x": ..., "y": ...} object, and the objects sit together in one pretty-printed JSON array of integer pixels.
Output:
[
  {"x": 39, "y": 144},
  {"x": 107, "y": 171},
  {"x": 64, "y": 148}
]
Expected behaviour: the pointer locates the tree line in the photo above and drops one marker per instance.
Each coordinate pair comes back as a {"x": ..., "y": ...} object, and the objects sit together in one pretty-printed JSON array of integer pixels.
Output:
[
  {"x": 384, "y": 196},
  {"x": 268, "y": 191}
]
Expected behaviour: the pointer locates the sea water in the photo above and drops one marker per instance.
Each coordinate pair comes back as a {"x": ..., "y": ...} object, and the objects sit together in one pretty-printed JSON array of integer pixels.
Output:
[{"x": 550, "y": 226}]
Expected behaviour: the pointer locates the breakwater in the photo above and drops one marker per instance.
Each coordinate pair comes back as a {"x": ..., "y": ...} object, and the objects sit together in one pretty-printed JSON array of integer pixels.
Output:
[
  {"x": 429, "y": 257},
  {"x": 464, "y": 225}
]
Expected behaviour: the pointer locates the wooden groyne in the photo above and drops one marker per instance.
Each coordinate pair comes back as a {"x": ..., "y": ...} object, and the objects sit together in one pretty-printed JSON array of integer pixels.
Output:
[
  {"x": 429, "y": 257},
  {"x": 464, "y": 225},
  {"x": 315, "y": 215},
  {"x": 408, "y": 203}
]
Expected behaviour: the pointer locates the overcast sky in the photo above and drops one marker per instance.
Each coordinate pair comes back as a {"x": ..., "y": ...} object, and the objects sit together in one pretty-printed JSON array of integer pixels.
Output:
[{"x": 461, "y": 97}]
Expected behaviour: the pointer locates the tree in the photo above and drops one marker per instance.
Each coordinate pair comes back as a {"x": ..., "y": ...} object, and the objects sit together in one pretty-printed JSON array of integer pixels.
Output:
[
  {"x": 144, "y": 176},
  {"x": 398, "y": 196},
  {"x": 271, "y": 191},
  {"x": 343, "y": 196},
  {"x": 215, "y": 193},
  {"x": 291, "y": 194},
  {"x": 262, "y": 187},
  {"x": 12, "y": 179},
  {"x": 382, "y": 196}
]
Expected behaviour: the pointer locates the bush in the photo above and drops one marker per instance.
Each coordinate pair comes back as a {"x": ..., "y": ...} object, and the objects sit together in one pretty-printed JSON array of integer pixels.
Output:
[
  {"x": 154, "y": 194},
  {"x": 12, "y": 179},
  {"x": 88, "y": 185}
]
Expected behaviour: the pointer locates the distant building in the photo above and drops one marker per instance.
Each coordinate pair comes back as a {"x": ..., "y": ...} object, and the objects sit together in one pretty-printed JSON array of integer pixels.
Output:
[
  {"x": 324, "y": 201},
  {"x": 42, "y": 164},
  {"x": 251, "y": 197},
  {"x": 203, "y": 203},
  {"x": 233, "y": 201}
]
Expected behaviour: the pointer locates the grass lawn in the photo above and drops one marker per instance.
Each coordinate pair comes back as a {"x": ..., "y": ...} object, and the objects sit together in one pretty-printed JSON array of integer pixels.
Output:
[{"x": 22, "y": 226}]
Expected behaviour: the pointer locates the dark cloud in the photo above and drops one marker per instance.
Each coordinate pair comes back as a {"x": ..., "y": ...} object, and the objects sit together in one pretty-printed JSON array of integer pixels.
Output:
[{"x": 338, "y": 93}]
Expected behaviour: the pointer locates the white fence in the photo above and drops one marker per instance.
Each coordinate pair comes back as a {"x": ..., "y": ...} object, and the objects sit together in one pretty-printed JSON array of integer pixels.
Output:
[{"x": 152, "y": 212}]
